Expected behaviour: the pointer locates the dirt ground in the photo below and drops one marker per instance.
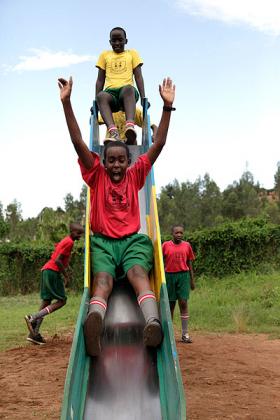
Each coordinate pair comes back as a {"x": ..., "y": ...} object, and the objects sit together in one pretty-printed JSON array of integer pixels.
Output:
[{"x": 225, "y": 377}]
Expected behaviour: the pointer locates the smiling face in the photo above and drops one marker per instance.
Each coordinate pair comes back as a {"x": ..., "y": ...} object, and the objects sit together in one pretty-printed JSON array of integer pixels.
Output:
[
  {"x": 118, "y": 40},
  {"x": 177, "y": 233},
  {"x": 116, "y": 163}
]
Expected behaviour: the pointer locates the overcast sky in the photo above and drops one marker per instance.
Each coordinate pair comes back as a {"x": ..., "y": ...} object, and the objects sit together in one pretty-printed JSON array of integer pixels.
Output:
[{"x": 223, "y": 56}]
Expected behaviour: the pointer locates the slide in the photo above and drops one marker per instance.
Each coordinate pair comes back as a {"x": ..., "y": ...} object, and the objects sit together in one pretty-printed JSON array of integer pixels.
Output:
[{"x": 127, "y": 381}]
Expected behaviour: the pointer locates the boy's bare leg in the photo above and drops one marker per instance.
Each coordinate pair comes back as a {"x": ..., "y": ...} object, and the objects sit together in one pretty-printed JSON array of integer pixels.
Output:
[
  {"x": 172, "y": 305},
  {"x": 34, "y": 321},
  {"x": 127, "y": 98},
  {"x": 93, "y": 326},
  {"x": 104, "y": 102},
  {"x": 139, "y": 280}
]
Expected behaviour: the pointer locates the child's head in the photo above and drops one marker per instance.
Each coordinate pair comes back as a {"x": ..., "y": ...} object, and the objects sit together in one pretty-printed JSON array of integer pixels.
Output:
[
  {"x": 76, "y": 231},
  {"x": 118, "y": 39},
  {"x": 177, "y": 233},
  {"x": 116, "y": 160}
]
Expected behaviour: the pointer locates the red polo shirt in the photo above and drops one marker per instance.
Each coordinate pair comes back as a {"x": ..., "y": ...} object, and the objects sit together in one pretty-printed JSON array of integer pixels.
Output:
[
  {"x": 63, "y": 248},
  {"x": 115, "y": 206},
  {"x": 176, "y": 256}
]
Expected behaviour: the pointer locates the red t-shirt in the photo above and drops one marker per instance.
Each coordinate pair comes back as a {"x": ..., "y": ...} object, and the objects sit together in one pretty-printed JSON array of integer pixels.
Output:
[
  {"x": 115, "y": 206},
  {"x": 176, "y": 256},
  {"x": 63, "y": 248}
]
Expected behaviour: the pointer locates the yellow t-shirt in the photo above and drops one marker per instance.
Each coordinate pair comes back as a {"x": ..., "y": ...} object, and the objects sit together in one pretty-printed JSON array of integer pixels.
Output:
[
  {"x": 118, "y": 67},
  {"x": 119, "y": 120}
]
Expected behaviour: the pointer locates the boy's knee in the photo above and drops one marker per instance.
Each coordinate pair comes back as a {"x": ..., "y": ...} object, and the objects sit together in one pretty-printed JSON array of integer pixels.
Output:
[
  {"x": 183, "y": 304},
  {"x": 101, "y": 96},
  {"x": 127, "y": 90},
  {"x": 137, "y": 271},
  {"x": 103, "y": 281}
]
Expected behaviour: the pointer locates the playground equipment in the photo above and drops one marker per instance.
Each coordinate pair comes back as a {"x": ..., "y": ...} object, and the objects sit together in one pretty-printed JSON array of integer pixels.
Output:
[{"x": 127, "y": 381}]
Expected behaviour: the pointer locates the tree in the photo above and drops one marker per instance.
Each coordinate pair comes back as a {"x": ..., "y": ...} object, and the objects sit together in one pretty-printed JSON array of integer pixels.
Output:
[
  {"x": 210, "y": 203},
  {"x": 76, "y": 208},
  {"x": 52, "y": 224},
  {"x": 241, "y": 199},
  {"x": 4, "y": 228},
  {"x": 13, "y": 219},
  {"x": 277, "y": 181}
]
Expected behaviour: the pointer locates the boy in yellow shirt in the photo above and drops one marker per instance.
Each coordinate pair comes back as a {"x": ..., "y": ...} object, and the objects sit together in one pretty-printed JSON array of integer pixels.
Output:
[{"x": 117, "y": 70}]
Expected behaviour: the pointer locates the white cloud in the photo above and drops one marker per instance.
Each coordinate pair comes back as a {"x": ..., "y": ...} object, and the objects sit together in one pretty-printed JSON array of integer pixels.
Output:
[
  {"x": 46, "y": 60},
  {"x": 259, "y": 14}
]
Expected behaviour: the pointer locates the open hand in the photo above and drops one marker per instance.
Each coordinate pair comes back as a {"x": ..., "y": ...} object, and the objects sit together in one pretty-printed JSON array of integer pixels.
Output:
[
  {"x": 167, "y": 91},
  {"x": 65, "y": 88}
]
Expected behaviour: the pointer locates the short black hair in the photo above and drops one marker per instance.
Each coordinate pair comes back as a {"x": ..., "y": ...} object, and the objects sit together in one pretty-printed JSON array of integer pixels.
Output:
[
  {"x": 118, "y": 28},
  {"x": 177, "y": 225},
  {"x": 116, "y": 143},
  {"x": 76, "y": 226}
]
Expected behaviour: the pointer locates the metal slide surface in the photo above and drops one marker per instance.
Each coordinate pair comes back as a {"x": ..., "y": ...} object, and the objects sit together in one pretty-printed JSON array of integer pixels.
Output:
[{"x": 123, "y": 380}]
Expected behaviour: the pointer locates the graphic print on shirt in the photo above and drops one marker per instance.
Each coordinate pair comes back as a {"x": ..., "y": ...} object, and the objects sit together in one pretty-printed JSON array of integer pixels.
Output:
[
  {"x": 118, "y": 66},
  {"x": 116, "y": 198}
]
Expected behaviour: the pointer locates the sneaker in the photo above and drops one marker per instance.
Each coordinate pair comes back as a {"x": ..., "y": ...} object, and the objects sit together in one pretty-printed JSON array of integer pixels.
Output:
[
  {"x": 130, "y": 135},
  {"x": 93, "y": 327},
  {"x": 31, "y": 324},
  {"x": 113, "y": 136},
  {"x": 186, "y": 338},
  {"x": 152, "y": 334},
  {"x": 36, "y": 339}
]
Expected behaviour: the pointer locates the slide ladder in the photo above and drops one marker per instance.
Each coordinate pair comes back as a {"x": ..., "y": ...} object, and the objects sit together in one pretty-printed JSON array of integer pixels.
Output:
[{"x": 127, "y": 381}]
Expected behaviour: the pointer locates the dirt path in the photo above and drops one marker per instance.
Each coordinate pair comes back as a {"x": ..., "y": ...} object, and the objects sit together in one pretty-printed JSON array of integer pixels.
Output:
[
  {"x": 225, "y": 377},
  {"x": 231, "y": 377}
]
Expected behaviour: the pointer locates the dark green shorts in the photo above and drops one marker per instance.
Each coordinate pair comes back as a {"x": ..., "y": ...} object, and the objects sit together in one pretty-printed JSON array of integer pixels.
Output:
[
  {"x": 178, "y": 285},
  {"x": 117, "y": 256},
  {"x": 117, "y": 105},
  {"x": 52, "y": 285}
]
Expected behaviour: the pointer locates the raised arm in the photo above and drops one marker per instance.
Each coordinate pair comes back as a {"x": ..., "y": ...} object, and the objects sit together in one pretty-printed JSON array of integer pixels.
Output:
[
  {"x": 75, "y": 133},
  {"x": 167, "y": 92}
]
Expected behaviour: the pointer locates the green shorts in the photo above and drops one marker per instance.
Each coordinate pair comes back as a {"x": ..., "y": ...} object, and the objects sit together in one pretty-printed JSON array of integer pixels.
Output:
[
  {"x": 117, "y": 256},
  {"x": 178, "y": 285},
  {"x": 52, "y": 285},
  {"x": 117, "y": 106}
]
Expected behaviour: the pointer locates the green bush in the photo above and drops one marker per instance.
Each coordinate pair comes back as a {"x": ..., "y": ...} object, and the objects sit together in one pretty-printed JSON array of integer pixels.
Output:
[{"x": 249, "y": 245}]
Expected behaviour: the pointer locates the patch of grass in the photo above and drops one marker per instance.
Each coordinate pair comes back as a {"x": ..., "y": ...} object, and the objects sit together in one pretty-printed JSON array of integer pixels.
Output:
[
  {"x": 13, "y": 327},
  {"x": 244, "y": 303},
  {"x": 247, "y": 302}
]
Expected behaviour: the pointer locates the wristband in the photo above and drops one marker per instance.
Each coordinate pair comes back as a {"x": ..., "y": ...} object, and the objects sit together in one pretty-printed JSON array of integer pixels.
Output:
[{"x": 168, "y": 108}]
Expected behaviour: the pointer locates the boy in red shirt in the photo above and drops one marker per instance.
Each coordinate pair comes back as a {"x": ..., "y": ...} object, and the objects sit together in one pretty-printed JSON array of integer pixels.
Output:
[
  {"x": 117, "y": 247},
  {"x": 178, "y": 256},
  {"x": 52, "y": 285}
]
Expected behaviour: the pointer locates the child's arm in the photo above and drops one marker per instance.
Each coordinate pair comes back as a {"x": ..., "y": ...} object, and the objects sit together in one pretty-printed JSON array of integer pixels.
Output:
[
  {"x": 62, "y": 270},
  {"x": 167, "y": 92},
  {"x": 191, "y": 274},
  {"x": 139, "y": 81},
  {"x": 80, "y": 146},
  {"x": 154, "y": 130},
  {"x": 100, "y": 81}
]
